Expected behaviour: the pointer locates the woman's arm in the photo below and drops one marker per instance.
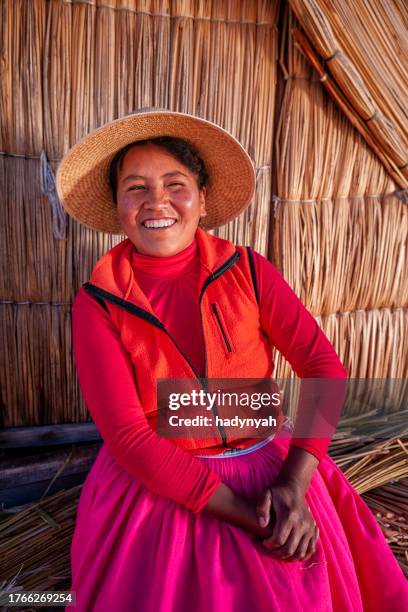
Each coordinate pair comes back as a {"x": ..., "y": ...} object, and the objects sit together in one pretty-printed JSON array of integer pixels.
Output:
[
  {"x": 106, "y": 377},
  {"x": 292, "y": 329}
]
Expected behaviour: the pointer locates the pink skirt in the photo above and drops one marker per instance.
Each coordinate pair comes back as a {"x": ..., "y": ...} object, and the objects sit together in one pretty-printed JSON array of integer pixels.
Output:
[{"x": 133, "y": 550}]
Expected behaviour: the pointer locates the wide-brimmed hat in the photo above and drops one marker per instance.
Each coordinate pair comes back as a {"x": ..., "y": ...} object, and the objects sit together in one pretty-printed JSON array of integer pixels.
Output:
[{"x": 83, "y": 175}]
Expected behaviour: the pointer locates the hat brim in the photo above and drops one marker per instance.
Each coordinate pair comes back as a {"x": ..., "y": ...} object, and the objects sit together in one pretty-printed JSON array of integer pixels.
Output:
[{"x": 82, "y": 177}]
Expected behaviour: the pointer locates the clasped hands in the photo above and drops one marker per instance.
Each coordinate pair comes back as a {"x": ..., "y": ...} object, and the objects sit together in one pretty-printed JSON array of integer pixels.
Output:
[{"x": 292, "y": 534}]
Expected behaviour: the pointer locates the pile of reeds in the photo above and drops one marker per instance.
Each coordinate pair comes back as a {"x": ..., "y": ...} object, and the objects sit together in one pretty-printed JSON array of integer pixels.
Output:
[
  {"x": 390, "y": 505},
  {"x": 35, "y": 543},
  {"x": 68, "y": 67},
  {"x": 379, "y": 472},
  {"x": 376, "y": 464}
]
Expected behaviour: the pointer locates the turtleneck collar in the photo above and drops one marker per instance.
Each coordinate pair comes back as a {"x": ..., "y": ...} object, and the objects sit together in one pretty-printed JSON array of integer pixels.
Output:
[
  {"x": 114, "y": 271},
  {"x": 168, "y": 267}
]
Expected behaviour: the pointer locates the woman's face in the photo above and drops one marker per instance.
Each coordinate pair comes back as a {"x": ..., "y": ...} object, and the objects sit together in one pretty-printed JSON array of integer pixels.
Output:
[{"x": 159, "y": 202}]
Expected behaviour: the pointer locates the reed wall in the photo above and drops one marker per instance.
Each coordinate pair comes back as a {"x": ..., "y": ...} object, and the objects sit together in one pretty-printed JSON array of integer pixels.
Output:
[
  {"x": 325, "y": 209},
  {"x": 68, "y": 67},
  {"x": 338, "y": 230}
]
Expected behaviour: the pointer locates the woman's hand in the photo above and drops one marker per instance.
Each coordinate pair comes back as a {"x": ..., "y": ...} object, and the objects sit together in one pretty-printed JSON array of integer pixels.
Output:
[
  {"x": 236, "y": 510},
  {"x": 287, "y": 501},
  {"x": 295, "y": 532}
]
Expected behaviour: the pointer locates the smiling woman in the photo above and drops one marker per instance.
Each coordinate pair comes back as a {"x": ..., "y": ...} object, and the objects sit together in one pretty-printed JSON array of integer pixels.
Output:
[
  {"x": 160, "y": 199},
  {"x": 223, "y": 520}
]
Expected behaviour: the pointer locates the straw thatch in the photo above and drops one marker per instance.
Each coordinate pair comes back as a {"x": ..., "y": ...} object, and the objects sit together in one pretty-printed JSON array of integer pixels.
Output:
[
  {"x": 339, "y": 230},
  {"x": 68, "y": 67},
  {"x": 318, "y": 101},
  {"x": 347, "y": 37},
  {"x": 335, "y": 228}
]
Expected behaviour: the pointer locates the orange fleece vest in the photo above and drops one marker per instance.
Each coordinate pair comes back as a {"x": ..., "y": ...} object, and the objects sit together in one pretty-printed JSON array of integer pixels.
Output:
[{"x": 235, "y": 345}]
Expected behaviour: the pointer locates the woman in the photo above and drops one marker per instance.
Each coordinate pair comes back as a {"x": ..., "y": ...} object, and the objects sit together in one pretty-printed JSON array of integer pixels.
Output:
[{"x": 217, "y": 522}]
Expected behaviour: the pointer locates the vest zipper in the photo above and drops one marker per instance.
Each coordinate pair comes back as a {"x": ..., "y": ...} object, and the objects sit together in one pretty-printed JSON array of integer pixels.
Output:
[
  {"x": 224, "y": 335},
  {"x": 226, "y": 266},
  {"x": 150, "y": 318}
]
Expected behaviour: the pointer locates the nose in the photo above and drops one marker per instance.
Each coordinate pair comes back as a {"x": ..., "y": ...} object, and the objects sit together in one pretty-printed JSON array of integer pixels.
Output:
[{"x": 155, "y": 198}]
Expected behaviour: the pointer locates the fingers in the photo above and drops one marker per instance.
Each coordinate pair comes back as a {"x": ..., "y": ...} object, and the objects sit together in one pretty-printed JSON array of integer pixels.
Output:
[
  {"x": 306, "y": 547},
  {"x": 312, "y": 544},
  {"x": 297, "y": 545},
  {"x": 280, "y": 533},
  {"x": 294, "y": 533},
  {"x": 263, "y": 508},
  {"x": 292, "y": 540},
  {"x": 302, "y": 548}
]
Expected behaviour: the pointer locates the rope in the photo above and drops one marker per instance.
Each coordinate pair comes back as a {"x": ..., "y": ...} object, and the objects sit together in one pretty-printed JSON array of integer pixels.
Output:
[
  {"x": 129, "y": 9},
  {"x": 259, "y": 171},
  {"x": 390, "y": 309},
  {"x": 17, "y": 303},
  {"x": 375, "y": 115},
  {"x": 298, "y": 77},
  {"x": 48, "y": 188},
  {"x": 401, "y": 194},
  {"x": 329, "y": 59},
  {"x": 24, "y": 156}
]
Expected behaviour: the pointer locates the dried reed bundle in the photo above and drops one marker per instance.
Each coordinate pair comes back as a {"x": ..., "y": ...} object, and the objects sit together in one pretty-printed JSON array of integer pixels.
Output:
[
  {"x": 374, "y": 36},
  {"x": 82, "y": 112},
  {"x": 255, "y": 221},
  {"x": 125, "y": 58},
  {"x": 372, "y": 343},
  {"x": 315, "y": 17},
  {"x": 242, "y": 52},
  {"x": 387, "y": 140},
  {"x": 337, "y": 274},
  {"x": 161, "y": 52},
  {"x": 35, "y": 543},
  {"x": 104, "y": 66},
  {"x": 37, "y": 373},
  {"x": 202, "y": 66},
  {"x": 181, "y": 48},
  {"x": 390, "y": 504},
  {"x": 337, "y": 241},
  {"x": 28, "y": 248},
  {"x": 361, "y": 434},
  {"x": 36, "y": 368},
  {"x": 21, "y": 100},
  {"x": 377, "y": 469},
  {"x": 56, "y": 71}
]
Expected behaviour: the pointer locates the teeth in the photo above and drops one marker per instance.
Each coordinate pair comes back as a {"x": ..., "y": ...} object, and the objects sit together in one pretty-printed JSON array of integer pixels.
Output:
[{"x": 159, "y": 223}]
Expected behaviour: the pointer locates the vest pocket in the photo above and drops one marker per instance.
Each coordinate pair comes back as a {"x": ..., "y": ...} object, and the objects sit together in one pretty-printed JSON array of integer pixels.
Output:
[{"x": 221, "y": 326}]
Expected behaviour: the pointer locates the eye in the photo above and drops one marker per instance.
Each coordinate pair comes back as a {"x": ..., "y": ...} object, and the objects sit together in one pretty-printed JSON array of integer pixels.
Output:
[
  {"x": 136, "y": 187},
  {"x": 176, "y": 185}
]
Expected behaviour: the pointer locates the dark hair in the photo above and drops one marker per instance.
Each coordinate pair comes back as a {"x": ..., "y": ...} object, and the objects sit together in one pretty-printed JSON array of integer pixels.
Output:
[{"x": 179, "y": 148}]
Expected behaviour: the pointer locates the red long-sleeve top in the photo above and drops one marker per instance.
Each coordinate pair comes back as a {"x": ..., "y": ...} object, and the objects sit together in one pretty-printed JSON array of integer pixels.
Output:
[{"x": 106, "y": 376}]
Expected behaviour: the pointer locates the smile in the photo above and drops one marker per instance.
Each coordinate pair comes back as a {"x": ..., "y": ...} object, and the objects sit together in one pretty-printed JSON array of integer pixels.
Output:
[{"x": 158, "y": 223}]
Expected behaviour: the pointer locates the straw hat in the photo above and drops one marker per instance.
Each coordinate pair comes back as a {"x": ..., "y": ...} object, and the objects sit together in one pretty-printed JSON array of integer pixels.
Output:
[{"x": 82, "y": 176}]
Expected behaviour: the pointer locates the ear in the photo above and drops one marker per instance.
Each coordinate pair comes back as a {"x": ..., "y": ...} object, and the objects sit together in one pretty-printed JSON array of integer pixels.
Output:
[{"x": 203, "y": 193}]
